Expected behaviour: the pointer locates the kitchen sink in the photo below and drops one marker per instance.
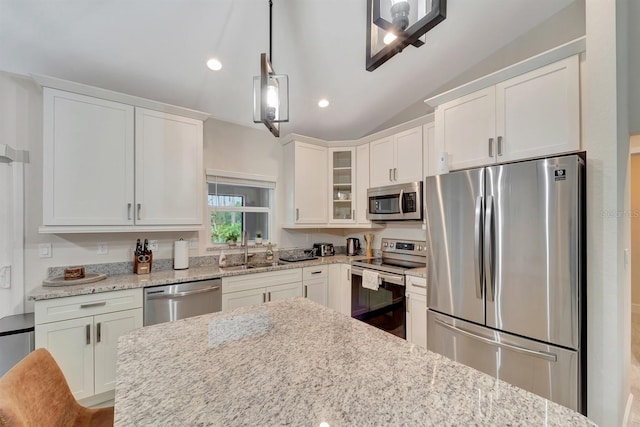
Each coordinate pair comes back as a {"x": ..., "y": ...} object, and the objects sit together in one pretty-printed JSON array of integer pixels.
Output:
[{"x": 251, "y": 266}]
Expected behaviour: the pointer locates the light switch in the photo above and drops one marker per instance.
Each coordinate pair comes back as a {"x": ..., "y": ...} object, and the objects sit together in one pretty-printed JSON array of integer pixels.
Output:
[
  {"x": 193, "y": 243},
  {"x": 5, "y": 277},
  {"x": 153, "y": 245},
  {"x": 44, "y": 250}
]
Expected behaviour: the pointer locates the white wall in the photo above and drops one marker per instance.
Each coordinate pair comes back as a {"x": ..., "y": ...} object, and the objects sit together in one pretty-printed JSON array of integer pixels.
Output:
[{"x": 634, "y": 66}]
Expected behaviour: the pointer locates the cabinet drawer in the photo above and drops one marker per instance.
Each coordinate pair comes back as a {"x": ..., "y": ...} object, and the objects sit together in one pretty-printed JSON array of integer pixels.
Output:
[
  {"x": 417, "y": 285},
  {"x": 260, "y": 280},
  {"x": 57, "y": 309},
  {"x": 318, "y": 272}
]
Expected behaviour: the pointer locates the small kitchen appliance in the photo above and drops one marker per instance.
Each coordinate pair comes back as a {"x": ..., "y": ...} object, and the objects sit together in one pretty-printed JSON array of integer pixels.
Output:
[
  {"x": 353, "y": 246},
  {"x": 324, "y": 249},
  {"x": 398, "y": 202}
]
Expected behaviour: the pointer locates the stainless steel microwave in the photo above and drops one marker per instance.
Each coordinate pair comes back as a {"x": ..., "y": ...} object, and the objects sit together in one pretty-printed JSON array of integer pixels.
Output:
[{"x": 398, "y": 202}]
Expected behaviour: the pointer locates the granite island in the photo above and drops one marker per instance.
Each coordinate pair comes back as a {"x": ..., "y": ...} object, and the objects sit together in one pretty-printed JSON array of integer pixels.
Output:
[{"x": 294, "y": 362}]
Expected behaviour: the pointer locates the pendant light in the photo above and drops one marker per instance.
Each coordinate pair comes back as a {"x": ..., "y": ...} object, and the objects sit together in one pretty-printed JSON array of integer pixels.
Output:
[
  {"x": 270, "y": 92},
  {"x": 393, "y": 25}
]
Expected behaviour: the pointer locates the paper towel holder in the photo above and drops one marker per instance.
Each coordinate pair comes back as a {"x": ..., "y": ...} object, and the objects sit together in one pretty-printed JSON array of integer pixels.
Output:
[{"x": 180, "y": 254}]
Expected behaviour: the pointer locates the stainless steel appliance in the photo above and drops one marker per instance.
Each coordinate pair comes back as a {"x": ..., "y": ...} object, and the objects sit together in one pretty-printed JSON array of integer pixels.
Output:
[
  {"x": 168, "y": 303},
  {"x": 353, "y": 246},
  {"x": 399, "y": 202},
  {"x": 16, "y": 339},
  {"x": 506, "y": 288},
  {"x": 324, "y": 249},
  {"x": 384, "y": 308}
]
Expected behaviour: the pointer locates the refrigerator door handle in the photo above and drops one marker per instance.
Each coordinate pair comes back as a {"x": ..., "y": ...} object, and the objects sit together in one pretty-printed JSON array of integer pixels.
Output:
[
  {"x": 489, "y": 237},
  {"x": 539, "y": 354},
  {"x": 477, "y": 239}
]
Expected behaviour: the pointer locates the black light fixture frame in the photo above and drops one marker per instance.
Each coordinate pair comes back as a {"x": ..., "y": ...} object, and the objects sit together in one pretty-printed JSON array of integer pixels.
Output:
[
  {"x": 267, "y": 72},
  {"x": 410, "y": 36}
]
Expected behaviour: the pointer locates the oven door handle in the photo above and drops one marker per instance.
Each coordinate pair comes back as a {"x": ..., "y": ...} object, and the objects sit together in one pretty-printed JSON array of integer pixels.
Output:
[{"x": 386, "y": 277}]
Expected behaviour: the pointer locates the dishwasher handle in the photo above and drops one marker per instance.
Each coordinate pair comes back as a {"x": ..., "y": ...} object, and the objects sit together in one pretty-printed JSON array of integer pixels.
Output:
[{"x": 164, "y": 295}]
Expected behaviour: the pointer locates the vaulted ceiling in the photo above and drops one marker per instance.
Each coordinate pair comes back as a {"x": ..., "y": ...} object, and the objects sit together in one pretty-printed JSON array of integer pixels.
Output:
[{"x": 157, "y": 49}]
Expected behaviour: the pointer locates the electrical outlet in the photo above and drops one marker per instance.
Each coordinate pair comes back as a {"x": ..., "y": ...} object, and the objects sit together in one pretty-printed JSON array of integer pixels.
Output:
[
  {"x": 193, "y": 243},
  {"x": 5, "y": 277},
  {"x": 44, "y": 250},
  {"x": 103, "y": 248},
  {"x": 153, "y": 245}
]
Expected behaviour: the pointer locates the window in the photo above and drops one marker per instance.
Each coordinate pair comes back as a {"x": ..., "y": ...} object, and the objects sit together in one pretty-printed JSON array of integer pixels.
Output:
[{"x": 237, "y": 203}]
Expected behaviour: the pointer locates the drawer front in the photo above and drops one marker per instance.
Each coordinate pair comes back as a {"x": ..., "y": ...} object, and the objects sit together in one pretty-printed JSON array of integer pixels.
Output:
[
  {"x": 318, "y": 272},
  {"x": 416, "y": 285},
  {"x": 54, "y": 310},
  {"x": 250, "y": 281}
]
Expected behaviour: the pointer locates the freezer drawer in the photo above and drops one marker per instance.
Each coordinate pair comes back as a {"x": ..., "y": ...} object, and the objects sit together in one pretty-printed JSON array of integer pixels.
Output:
[{"x": 546, "y": 370}]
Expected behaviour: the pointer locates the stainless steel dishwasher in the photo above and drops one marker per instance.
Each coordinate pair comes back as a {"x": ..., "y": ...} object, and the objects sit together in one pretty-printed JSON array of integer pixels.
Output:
[{"x": 168, "y": 303}]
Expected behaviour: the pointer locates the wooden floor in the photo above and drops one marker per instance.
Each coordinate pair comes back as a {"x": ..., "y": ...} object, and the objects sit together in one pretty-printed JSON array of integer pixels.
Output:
[{"x": 634, "y": 418}]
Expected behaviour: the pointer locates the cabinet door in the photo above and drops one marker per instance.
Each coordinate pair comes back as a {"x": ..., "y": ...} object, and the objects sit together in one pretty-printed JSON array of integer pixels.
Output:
[
  {"x": 288, "y": 290},
  {"x": 465, "y": 129},
  {"x": 417, "y": 319},
  {"x": 430, "y": 155},
  {"x": 382, "y": 162},
  {"x": 310, "y": 184},
  {"x": 342, "y": 189},
  {"x": 243, "y": 298},
  {"x": 87, "y": 160},
  {"x": 70, "y": 342},
  {"x": 339, "y": 288},
  {"x": 362, "y": 183},
  {"x": 408, "y": 155},
  {"x": 316, "y": 290},
  {"x": 169, "y": 169},
  {"x": 538, "y": 113},
  {"x": 108, "y": 327}
]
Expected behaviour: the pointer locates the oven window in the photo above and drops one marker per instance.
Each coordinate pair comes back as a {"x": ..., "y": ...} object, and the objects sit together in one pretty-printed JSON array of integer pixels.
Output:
[{"x": 384, "y": 308}]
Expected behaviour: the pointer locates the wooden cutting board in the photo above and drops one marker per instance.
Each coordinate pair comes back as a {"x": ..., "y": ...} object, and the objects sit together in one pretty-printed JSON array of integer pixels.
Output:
[{"x": 60, "y": 281}]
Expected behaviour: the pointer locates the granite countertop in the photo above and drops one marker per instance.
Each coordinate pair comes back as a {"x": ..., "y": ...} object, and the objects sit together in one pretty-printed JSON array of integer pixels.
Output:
[
  {"x": 133, "y": 281},
  {"x": 294, "y": 362}
]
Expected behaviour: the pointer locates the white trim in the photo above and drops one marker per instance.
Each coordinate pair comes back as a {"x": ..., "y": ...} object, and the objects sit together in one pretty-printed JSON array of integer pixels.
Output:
[
  {"x": 240, "y": 176},
  {"x": 635, "y": 308},
  {"x": 627, "y": 411},
  {"x": 96, "y": 92},
  {"x": 566, "y": 50}
]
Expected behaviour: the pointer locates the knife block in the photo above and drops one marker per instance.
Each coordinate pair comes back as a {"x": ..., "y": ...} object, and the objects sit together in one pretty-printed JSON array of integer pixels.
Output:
[{"x": 142, "y": 263}]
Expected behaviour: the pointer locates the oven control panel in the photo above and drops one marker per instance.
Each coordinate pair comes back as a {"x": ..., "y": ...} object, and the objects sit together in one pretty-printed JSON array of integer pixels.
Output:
[{"x": 411, "y": 247}]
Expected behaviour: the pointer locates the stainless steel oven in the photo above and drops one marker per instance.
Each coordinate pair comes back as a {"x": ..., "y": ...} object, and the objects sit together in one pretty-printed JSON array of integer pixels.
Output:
[
  {"x": 382, "y": 303},
  {"x": 399, "y": 202}
]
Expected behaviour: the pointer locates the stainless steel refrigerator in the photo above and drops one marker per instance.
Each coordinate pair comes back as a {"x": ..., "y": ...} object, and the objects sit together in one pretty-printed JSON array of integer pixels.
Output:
[{"x": 506, "y": 292}]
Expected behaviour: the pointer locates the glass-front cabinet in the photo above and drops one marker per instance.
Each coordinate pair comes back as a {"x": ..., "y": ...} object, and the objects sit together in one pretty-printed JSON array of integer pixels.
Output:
[{"x": 342, "y": 188}]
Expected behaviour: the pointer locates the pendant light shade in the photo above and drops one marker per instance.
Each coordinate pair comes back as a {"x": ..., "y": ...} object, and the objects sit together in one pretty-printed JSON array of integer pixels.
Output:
[
  {"x": 270, "y": 92},
  {"x": 393, "y": 25}
]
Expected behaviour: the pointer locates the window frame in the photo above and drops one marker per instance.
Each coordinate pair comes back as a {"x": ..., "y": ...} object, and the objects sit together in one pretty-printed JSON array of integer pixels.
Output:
[{"x": 215, "y": 176}]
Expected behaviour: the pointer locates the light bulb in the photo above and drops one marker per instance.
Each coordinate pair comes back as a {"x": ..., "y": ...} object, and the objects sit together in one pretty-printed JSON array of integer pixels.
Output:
[
  {"x": 272, "y": 101},
  {"x": 323, "y": 103},
  {"x": 214, "y": 64},
  {"x": 389, "y": 37}
]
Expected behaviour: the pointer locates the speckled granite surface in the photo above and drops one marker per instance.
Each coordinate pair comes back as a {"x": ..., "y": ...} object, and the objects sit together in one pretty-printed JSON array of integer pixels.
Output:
[
  {"x": 298, "y": 363},
  {"x": 132, "y": 281}
]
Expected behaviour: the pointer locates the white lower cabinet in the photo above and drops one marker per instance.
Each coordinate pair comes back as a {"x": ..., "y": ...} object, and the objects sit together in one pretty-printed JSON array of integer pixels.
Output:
[
  {"x": 315, "y": 283},
  {"x": 250, "y": 289},
  {"x": 339, "y": 292},
  {"x": 81, "y": 333},
  {"x": 416, "y": 294}
]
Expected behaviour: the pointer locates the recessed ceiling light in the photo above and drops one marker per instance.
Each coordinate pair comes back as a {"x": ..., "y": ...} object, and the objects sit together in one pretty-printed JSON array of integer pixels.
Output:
[
  {"x": 323, "y": 103},
  {"x": 214, "y": 64}
]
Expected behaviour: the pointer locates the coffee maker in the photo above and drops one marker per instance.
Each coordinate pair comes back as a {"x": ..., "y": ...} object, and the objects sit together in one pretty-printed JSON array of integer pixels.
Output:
[{"x": 353, "y": 246}]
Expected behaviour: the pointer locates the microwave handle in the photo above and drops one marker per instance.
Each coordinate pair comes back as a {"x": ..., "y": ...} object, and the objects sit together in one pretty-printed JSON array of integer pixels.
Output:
[{"x": 400, "y": 201}]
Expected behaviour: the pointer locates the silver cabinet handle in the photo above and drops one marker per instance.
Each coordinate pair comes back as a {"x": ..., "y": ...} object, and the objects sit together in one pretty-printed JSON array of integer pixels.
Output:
[
  {"x": 305, "y": 291},
  {"x": 268, "y": 296},
  {"x": 395, "y": 174},
  {"x": 129, "y": 205},
  {"x": 139, "y": 208},
  {"x": 264, "y": 297},
  {"x": 98, "y": 331},
  {"x": 390, "y": 178},
  {"x": 407, "y": 299},
  {"x": 88, "y": 333},
  {"x": 499, "y": 146},
  {"x": 348, "y": 274},
  {"x": 477, "y": 238},
  {"x": 490, "y": 147},
  {"x": 93, "y": 304},
  {"x": 489, "y": 245},
  {"x": 353, "y": 213},
  {"x": 297, "y": 214},
  {"x": 541, "y": 354},
  {"x": 418, "y": 286},
  {"x": 181, "y": 294},
  {"x": 316, "y": 272},
  {"x": 400, "y": 201}
]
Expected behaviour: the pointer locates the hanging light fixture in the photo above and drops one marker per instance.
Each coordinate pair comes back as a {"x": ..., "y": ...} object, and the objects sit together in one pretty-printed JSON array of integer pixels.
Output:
[
  {"x": 270, "y": 92},
  {"x": 393, "y": 25}
]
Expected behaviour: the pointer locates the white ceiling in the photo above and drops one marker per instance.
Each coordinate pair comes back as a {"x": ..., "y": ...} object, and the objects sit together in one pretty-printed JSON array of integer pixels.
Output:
[{"x": 157, "y": 49}]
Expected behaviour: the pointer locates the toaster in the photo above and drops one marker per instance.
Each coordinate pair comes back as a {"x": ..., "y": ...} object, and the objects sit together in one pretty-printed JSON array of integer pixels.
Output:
[{"x": 324, "y": 249}]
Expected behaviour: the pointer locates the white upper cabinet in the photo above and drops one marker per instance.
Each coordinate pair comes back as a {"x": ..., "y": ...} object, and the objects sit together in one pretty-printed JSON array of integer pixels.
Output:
[
  {"x": 88, "y": 160},
  {"x": 362, "y": 183},
  {"x": 169, "y": 173},
  {"x": 396, "y": 159},
  {"x": 306, "y": 183},
  {"x": 342, "y": 186},
  {"x": 430, "y": 164},
  {"x": 534, "y": 114},
  {"x": 102, "y": 175}
]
